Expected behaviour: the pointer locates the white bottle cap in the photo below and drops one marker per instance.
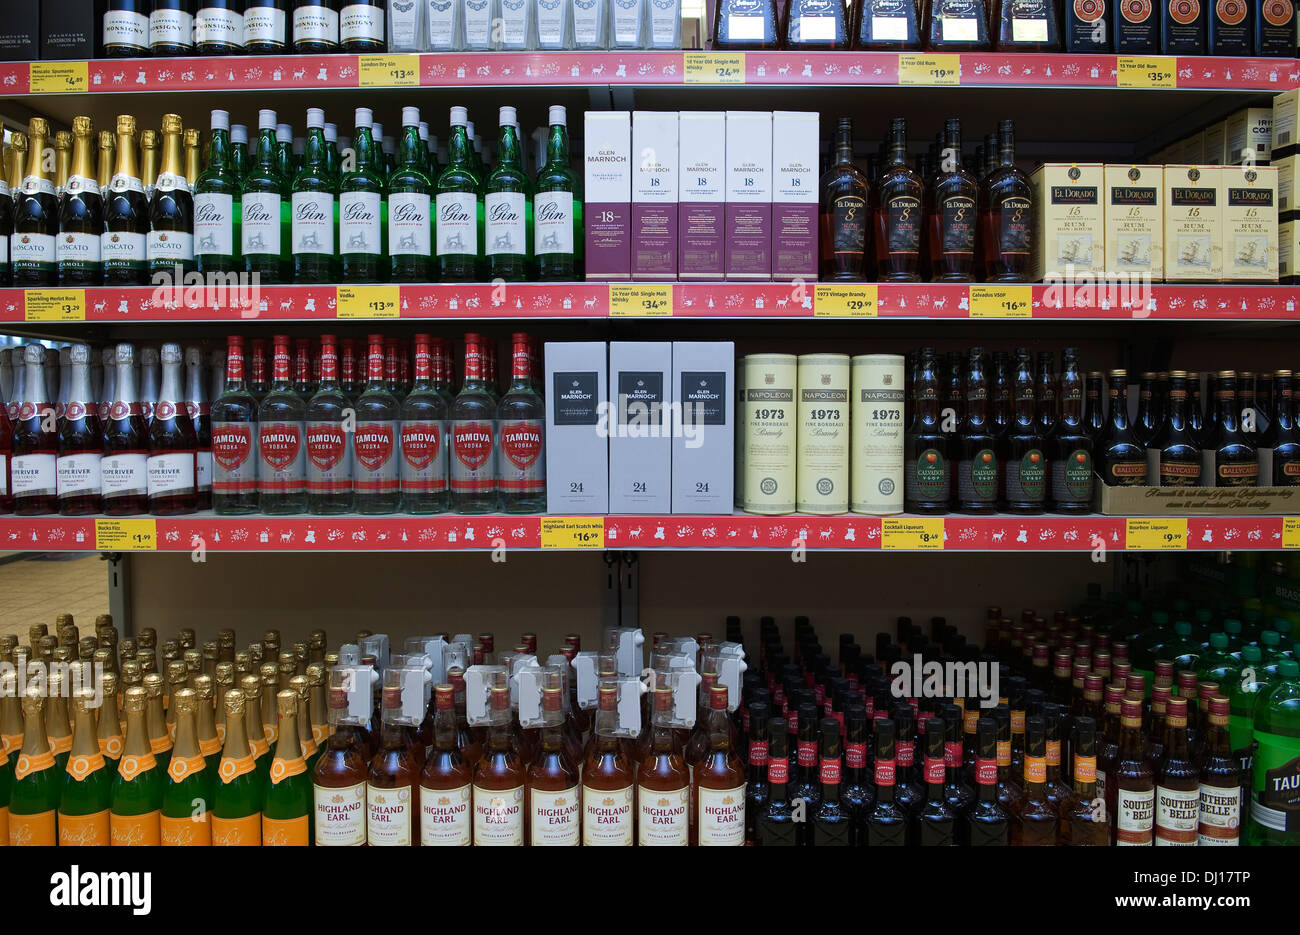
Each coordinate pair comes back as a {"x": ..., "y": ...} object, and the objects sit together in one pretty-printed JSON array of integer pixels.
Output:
[
  {"x": 220, "y": 120},
  {"x": 424, "y": 130},
  {"x": 315, "y": 118},
  {"x": 410, "y": 116},
  {"x": 266, "y": 120},
  {"x": 331, "y": 133},
  {"x": 283, "y": 132},
  {"x": 459, "y": 117},
  {"x": 171, "y": 353},
  {"x": 34, "y": 353},
  {"x": 79, "y": 354},
  {"x": 239, "y": 133},
  {"x": 365, "y": 117},
  {"x": 507, "y": 117},
  {"x": 558, "y": 115},
  {"x": 65, "y": 355},
  {"x": 125, "y": 354}
]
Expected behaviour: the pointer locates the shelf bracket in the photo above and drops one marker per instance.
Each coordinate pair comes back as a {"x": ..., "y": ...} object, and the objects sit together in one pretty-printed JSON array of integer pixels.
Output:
[
  {"x": 119, "y": 591},
  {"x": 622, "y": 591}
]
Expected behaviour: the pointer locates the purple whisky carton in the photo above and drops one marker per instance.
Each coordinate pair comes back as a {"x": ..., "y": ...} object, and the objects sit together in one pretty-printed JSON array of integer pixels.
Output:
[
  {"x": 701, "y": 209},
  {"x": 749, "y": 195},
  {"x": 607, "y": 177},
  {"x": 794, "y": 195},
  {"x": 654, "y": 195}
]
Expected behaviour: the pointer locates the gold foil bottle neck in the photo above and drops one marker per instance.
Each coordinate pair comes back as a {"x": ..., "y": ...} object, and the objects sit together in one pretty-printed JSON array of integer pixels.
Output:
[
  {"x": 185, "y": 701},
  {"x": 300, "y": 686},
  {"x": 33, "y": 701},
  {"x": 109, "y": 682},
  {"x": 126, "y": 124},
  {"x": 153, "y": 685},
  {"x": 203, "y": 687},
  {"x": 234, "y": 703},
  {"x": 135, "y": 700},
  {"x": 38, "y": 127},
  {"x": 270, "y": 674},
  {"x": 315, "y": 674},
  {"x": 286, "y": 703},
  {"x": 171, "y": 123},
  {"x": 252, "y": 688},
  {"x": 81, "y": 126}
]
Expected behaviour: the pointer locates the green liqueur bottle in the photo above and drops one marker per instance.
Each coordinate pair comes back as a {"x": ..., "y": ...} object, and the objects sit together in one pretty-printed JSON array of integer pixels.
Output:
[
  {"x": 265, "y": 209},
  {"x": 171, "y": 208},
  {"x": 558, "y": 233},
  {"x": 216, "y": 195},
  {"x": 137, "y": 789},
  {"x": 459, "y": 223},
  {"x": 87, "y": 783},
  {"x": 1275, "y": 803},
  {"x": 37, "y": 786},
  {"x": 312, "y": 208},
  {"x": 410, "y": 194},
  {"x": 507, "y": 208},
  {"x": 361, "y": 210},
  {"x": 187, "y": 795},
  {"x": 287, "y": 797},
  {"x": 237, "y": 797}
]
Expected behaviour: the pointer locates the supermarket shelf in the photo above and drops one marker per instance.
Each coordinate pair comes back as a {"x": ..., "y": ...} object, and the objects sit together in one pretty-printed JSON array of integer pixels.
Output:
[
  {"x": 736, "y": 532},
  {"x": 639, "y": 68},
  {"x": 523, "y": 301}
]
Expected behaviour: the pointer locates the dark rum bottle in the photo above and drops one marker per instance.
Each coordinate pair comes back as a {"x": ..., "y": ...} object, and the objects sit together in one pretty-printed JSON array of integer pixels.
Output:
[
  {"x": 897, "y": 210},
  {"x": 1007, "y": 211},
  {"x": 1235, "y": 461},
  {"x": 957, "y": 26},
  {"x": 1182, "y": 27},
  {"x": 927, "y": 483},
  {"x": 844, "y": 213},
  {"x": 978, "y": 471},
  {"x": 745, "y": 25},
  {"x": 887, "y": 26},
  {"x": 954, "y": 212},
  {"x": 1173, "y": 454},
  {"x": 1069, "y": 447},
  {"x": 1027, "y": 26}
]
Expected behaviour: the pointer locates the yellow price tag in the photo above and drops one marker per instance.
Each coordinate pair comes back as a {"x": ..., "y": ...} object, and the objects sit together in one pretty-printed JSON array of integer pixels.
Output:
[
  {"x": 1001, "y": 301},
  {"x": 714, "y": 68},
  {"x": 369, "y": 302},
  {"x": 929, "y": 69},
  {"x": 925, "y": 534},
  {"x": 845, "y": 302},
  {"x": 573, "y": 532},
  {"x": 126, "y": 535},
  {"x": 1147, "y": 72},
  {"x": 59, "y": 77},
  {"x": 1291, "y": 532},
  {"x": 1155, "y": 535},
  {"x": 641, "y": 301},
  {"x": 388, "y": 71},
  {"x": 52, "y": 305}
]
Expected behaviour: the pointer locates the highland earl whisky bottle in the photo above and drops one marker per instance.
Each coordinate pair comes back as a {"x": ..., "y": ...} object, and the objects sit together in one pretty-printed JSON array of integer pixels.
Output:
[{"x": 845, "y": 213}]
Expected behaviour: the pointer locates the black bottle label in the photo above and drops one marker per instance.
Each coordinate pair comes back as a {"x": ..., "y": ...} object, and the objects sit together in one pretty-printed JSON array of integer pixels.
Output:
[
  {"x": 978, "y": 478},
  {"x": 1086, "y": 29},
  {"x": 849, "y": 224},
  {"x": 1029, "y": 21},
  {"x": 929, "y": 480},
  {"x": 1237, "y": 474},
  {"x": 904, "y": 224},
  {"x": 1072, "y": 477},
  {"x": 1014, "y": 236},
  {"x": 1026, "y": 479},
  {"x": 887, "y": 835},
  {"x": 1184, "y": 26},
  {"x": 815, "y": 22},
  {"x": 958, "y": 232},
  {"x": 1286, "y": 466},
  {"x": 1126, "y": 473},
  {"x": 1136, "y": 27},
  {"x": 1229, "y": 23},
  {"x": 1180, "y": 473},
  {"x": 888, "y": 21},
  {"x": 1275, "y": 28}
]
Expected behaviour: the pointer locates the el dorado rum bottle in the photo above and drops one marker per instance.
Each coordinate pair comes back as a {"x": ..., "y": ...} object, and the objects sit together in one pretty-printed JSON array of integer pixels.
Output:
[
  {"x": 87, "y": 782},
  {"x": 499, "y": 779},
  {"x": 446, "y": 782},
  {"x": 745, "y": 24},
  {"x": 927, "y": 477},
  {"x": 37, "y": 785},
  {"x": 954, "y": 212},
  {"x": 1123, "y": 457},
  {"x": 237, "y": 797},
  {"x": 186, "y": 816},
  {"x": 845, "y": 213},
  {"x": 138, "y": 786},
  {"x": 899, "y": 221},
  {"x": 287, "y": 798},
  {"x": 1007, "y": 211}
]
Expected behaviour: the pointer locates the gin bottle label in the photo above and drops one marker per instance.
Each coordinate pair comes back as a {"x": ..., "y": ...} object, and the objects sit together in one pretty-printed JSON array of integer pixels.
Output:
[
  {"x": 313, "y": 222},
  {"x": 360, "y": 229},
  {"x": 408, "y": 224},
  {"x": 457, "y": 223},
  {"x": 261, "y": 223},
  {"x": 477, "y": 16},
  {"x": 213, "y": 224},
  {"x": 504, "y": 231},
  {"x": 441, "y": 19},
  {"x": 553, "y": 223}
]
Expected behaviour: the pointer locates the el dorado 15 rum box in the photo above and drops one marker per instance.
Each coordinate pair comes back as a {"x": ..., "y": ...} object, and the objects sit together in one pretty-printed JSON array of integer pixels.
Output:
[
  {"x": 1069, "y": 223},
  {"x": 1134, "y": 198},
  {"x": 1249, "y": 198},
  {"x": 1193, "y": 224}
]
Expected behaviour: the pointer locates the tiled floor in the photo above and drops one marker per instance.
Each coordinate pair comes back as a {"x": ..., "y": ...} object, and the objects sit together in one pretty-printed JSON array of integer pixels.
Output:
[{"x": 36, "y": 588}]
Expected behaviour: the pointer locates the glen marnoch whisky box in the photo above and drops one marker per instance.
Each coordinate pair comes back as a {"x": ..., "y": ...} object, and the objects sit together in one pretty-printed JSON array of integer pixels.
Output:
[
  {"x": 701, "y": 209},
  {"x": 749, "y": 195},
  {"x": 795, "y": 194},
  {"x": 1069, "y": 222},
  {"x": 1249, "y": 199},
  {"x": 640, "y": 443},
  {"x": 1134, "y": 200},
  {"x": 607, "y": 160},
  {"x": 654, "y": 195},
  {"x": 577, "y": 414},
  {"x": 1193, "y": 223},
  {"x": 703, "y": 379},
  {"x": 1194, "y": 501}
]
